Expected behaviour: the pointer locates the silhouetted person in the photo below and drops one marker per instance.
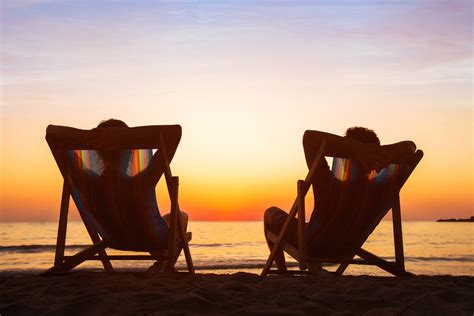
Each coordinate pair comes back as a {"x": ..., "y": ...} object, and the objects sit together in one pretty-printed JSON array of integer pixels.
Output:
[
  {"x": 359, "y": 144},
  {"x": 124, "y": 196}
]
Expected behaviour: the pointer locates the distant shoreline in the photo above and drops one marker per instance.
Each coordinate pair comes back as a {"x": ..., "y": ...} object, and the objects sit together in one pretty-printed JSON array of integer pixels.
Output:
[{"x": 463, "y": 220}]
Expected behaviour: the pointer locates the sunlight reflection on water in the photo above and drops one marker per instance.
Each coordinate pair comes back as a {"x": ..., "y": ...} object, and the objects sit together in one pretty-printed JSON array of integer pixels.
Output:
[{"x": 226, "y": 247}]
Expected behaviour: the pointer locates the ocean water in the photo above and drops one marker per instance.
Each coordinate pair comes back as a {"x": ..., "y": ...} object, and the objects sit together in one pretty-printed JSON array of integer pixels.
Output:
[{"x": 226, "y": 247}]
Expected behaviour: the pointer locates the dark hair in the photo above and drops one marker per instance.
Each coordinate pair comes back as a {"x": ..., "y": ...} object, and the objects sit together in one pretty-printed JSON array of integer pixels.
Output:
[
  {"x": 363, "y": 135},
  {"x": 112, "y": 123}
]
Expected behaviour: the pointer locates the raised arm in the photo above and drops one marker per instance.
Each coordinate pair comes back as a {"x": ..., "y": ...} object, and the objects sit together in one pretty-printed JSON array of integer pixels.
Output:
[
  {"x": 156, "y": 168},
  {"x": 141, "y": 137},
  {"x": 145, "y": 137},
  {"x": 370, "y": 156},
  {"x": 62, "y": 136},
  {"x": 115, "y": 138},
  {"x": 400, "y": 152}
]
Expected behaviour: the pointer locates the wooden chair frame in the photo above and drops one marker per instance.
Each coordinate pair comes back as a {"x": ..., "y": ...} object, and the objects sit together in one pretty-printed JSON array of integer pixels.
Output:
[
  {"x": 177, "y": 239},
  {"x": 306, "y": 262}
]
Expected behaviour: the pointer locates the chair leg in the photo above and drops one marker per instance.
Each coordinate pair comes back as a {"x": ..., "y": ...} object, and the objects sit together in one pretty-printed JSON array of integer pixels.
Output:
[
  {"x": 59, "y": 263},
  {"x": 294, "y": 209},
  {"x": 397, "y": 234},
  {"x": 278, "y": 243},
  {"x": 187, "y": 252},
  {"x": 177, "y": 227},
  {"x": 301, "y": 225},
  {"x": 62, "y": 226},
  {"x": 173, "y": 192},
  {"x": 342, "y": 267},
  {"x": 76, "y": 259},
  {"x": 184, "y": 243},
  {"x": 383, "y": 264},
  {"x": 96, "y": 239},
  {"x": 172, "y": 184}
]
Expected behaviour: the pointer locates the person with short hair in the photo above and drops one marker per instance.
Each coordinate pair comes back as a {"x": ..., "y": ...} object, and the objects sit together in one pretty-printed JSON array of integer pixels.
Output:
[
  {"x": 360, "y": 144},
  {"x": 134, "y": 194}
]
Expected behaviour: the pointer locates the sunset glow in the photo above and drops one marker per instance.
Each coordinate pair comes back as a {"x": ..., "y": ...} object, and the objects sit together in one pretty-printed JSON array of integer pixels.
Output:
[{"x": 244, "y": 81}]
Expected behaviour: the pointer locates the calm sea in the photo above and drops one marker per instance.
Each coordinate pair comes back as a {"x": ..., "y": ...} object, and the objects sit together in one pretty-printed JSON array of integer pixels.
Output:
[{"x": 226, "y": 247}]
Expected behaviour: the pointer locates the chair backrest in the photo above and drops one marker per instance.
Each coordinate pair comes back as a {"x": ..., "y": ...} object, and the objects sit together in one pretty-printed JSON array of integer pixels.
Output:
[
  {"x": 116, "y": 196},
  {"x": 363, "y": 200}
]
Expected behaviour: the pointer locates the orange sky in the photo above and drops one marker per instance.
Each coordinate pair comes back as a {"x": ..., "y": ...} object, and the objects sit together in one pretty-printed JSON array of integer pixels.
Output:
[{"x": 244, "y": 81}]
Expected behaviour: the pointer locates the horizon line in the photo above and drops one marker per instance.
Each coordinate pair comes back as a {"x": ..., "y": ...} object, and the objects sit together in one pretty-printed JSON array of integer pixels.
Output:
[{"x": 190, "y": 220}]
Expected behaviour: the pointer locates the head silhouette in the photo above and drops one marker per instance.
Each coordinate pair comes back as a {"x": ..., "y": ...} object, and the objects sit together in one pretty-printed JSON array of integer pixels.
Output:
[
  {"x": 114, "y": 159},
  {"x": 112, "y": 123},
  {"x": 363, "y": 135}
]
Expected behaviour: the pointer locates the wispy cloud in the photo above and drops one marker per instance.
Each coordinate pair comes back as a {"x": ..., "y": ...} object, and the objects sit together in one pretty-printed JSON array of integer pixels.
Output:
[{"x": 247, "y": 77}]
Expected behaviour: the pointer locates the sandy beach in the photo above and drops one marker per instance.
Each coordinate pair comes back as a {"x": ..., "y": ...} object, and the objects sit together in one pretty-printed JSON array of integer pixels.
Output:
[{"x": 87, "y": 292}]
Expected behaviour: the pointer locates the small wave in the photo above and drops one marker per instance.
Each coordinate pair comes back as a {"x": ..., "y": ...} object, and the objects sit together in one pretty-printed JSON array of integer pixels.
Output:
[
  {"x": 36, "y": 248},
  {"x": 39, "y": 248},
  {"x": 235, "y": 244},
  {"x": 249, "y": 265},
  {"x": 459, "y": 259},
  {"x": 466, "y": 258}
]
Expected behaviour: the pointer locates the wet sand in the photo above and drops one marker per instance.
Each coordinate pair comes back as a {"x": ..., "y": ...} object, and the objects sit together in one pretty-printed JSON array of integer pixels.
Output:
[{"x": 92, "y": 293}]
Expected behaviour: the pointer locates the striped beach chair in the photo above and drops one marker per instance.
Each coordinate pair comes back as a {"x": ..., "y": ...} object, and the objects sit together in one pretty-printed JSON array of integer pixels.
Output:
[
  {"x": 103, "y": 201},
  {"x": 340, "y": 237}
]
